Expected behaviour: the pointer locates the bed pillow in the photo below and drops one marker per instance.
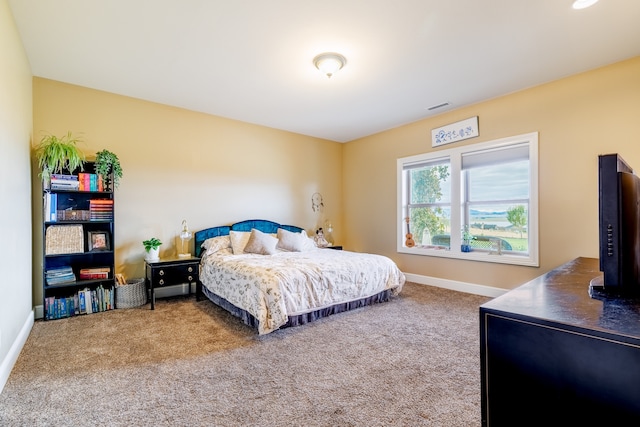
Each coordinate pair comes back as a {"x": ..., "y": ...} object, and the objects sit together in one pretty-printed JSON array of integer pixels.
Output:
[
  {"x": 309, "y": 243},
  {"x": 260, "y": 243},
  {"x": 239, "y": 240},
  {"x": 214, "y": 244},
  {"x": 294, "y": 242}
]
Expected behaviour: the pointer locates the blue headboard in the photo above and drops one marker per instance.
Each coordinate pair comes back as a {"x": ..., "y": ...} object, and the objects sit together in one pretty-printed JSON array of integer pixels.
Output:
[{"x": 259, "y": 224}]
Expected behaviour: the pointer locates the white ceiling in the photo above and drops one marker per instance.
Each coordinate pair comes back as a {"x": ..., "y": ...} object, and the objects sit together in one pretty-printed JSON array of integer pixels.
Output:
[{"x": 251, "y": 60}]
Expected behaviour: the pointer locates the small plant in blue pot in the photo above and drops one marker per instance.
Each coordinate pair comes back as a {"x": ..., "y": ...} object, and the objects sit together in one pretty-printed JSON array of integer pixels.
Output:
[{"x": 467, "y": 237}]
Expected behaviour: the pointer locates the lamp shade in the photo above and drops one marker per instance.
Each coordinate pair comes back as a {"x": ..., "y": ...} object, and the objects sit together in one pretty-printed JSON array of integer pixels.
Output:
[
  {"x": 583, "y": 4},
  {"x": 184, "y": 236}
]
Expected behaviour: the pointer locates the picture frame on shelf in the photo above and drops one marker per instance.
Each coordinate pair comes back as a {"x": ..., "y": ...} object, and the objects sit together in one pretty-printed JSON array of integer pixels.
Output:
[{"x": 98, "y": 241}]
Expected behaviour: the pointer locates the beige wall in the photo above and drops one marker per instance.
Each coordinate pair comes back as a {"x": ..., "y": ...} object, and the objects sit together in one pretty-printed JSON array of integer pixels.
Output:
[
  {"x": 15, "y": 191},
  {"x": 180, "y": 164},
  {"x": 210, "y": 170},
  {"x": 577, "y": 118}
]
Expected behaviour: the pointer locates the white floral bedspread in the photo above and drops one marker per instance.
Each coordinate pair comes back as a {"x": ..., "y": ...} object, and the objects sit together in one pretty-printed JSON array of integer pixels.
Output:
[{"x": 272, "y": 287}]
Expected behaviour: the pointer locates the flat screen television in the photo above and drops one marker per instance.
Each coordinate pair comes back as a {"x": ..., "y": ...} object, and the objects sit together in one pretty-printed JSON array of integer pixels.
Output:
[{"x": 619, "y": 224}]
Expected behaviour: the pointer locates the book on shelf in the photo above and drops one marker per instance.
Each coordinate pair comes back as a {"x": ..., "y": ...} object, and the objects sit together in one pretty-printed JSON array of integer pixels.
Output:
[
  {"x": 95, "y": 269},
  {"x": 84, "y": 179},
  {"x": 104, "y": 204},
  {"x": 63, "y": 177},
  {"x": 58, "y": 308},
  {"x": 50, "y": 209},
  {"x": 94, "y": 273},
  {"x": 76, "y": 304},
  {"x": 60, "y": 276},
  {"x": 64, "y": 182},
  {"x": 101, "y": 210},
  {"x": 88, "y": 301},
  {"x": 84, "y": 301},
  {"x": 90, "y": 182}
]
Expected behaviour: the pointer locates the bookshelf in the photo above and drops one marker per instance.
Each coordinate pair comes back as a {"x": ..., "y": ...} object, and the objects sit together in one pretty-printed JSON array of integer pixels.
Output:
[{"x": 78, "y": 245}]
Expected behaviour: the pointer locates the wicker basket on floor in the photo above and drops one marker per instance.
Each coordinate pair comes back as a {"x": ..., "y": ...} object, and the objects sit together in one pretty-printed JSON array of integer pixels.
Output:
[{"x": 133, "y": 294}]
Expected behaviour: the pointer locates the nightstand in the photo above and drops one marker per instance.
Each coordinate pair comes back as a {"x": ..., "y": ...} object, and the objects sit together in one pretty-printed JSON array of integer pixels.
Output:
[{"x": 169, "y": 272}]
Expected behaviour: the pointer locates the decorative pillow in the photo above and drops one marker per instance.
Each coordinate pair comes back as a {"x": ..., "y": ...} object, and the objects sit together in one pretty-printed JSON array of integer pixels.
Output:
[
  {"x": 239, "y": 240},
  {"x": 309, "y": 243},
  {"x": 260, "y": 243},
  {"x": 214, "y": 244},
  {"x": 294, "y": 242}
]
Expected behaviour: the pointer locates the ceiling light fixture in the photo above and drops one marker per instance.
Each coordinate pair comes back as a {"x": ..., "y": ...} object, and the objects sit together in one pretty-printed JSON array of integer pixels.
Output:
[
  {"x": 583, "y": 4},
  {"x": 329, "y": 63}
]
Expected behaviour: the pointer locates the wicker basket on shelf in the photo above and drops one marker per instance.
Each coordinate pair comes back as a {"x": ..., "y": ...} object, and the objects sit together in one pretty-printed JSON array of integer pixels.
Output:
[
  {"x": 64, "y": 239},
  {"x": 133, "y": 294}
]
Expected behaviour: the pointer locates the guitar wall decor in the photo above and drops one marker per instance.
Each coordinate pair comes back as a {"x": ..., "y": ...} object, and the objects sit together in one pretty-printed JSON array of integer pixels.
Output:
[{"x": 409, "y": 237}]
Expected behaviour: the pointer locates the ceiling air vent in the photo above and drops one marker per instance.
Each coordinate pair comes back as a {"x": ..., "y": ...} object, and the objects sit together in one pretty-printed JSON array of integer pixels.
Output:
[{"x": 444, "y": 104}]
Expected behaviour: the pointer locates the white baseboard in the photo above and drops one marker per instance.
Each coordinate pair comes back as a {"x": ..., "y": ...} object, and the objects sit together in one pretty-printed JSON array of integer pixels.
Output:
[
  {"x": 170, "y": 291},
  {"x": 469, "y": 288},
  {"x": 7, "y": 364},
  {"x": 39, "y": 311}
]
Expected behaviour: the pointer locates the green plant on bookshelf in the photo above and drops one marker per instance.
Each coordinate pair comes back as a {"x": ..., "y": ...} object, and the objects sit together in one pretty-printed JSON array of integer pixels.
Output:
[
  {"x": 59, "y": 155},
  {"x": 107, "y": 163}
]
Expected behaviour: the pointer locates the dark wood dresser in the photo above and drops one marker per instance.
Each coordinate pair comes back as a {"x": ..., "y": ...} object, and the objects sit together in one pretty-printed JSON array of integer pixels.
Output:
[{"x": 553, "y": 355}]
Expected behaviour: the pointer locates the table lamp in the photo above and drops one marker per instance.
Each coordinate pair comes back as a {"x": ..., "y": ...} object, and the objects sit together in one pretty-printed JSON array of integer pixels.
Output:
[{"x": 185, "y": 236}]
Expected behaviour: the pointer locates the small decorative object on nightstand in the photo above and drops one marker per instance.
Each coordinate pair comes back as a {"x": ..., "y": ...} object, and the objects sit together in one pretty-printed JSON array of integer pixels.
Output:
[
  {"x": 185, "y": 236},
  {"x": 321, "y": 242},
  {"x": 152, "y": 247}
]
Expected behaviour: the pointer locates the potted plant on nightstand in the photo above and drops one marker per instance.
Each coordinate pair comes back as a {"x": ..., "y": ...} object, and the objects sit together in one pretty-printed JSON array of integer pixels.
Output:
[
  {"x": 108, "y": 167},
  {"x": 58, "y": 155},
  {"x": 152, "y": 246}
]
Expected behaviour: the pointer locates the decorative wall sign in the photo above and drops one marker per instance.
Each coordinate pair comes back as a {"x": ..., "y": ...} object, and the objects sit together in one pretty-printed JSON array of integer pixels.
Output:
[{"x": 455, "y": 132}]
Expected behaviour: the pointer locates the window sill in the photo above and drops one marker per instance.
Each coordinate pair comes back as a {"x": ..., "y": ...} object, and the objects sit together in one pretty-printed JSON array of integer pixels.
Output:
[{"x": 480, "y": 256}]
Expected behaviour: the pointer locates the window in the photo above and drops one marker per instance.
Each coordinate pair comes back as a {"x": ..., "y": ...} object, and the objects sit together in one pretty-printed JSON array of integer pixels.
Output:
[{"x": 477, "y": 202}]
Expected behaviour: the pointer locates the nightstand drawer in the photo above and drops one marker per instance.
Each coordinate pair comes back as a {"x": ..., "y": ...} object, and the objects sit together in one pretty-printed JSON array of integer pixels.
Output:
[{"x": 173, "y": 274}]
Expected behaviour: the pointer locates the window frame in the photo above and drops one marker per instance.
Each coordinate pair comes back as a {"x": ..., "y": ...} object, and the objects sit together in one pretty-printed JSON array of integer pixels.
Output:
[{"x": 455, "y": 156}]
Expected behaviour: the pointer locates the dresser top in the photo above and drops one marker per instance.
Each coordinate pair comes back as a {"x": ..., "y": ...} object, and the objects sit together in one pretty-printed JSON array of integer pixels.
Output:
[{"x": 562, "y": 296}]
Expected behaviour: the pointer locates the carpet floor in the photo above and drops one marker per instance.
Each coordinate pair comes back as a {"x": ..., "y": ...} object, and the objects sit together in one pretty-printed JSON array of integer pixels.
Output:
[{"x": 413, "y": 361}]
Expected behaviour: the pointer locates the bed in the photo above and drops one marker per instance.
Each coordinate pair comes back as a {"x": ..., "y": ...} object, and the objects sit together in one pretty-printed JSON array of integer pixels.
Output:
[{"x": 272, "y": 276}]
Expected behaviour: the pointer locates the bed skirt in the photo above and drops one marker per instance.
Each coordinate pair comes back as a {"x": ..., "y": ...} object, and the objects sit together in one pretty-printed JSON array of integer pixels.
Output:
[{"x": 300, "y": 319}]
